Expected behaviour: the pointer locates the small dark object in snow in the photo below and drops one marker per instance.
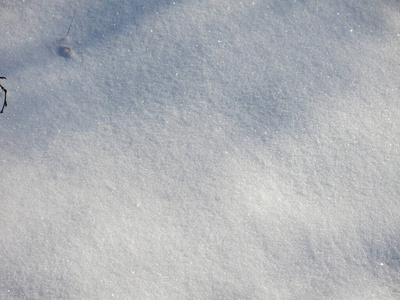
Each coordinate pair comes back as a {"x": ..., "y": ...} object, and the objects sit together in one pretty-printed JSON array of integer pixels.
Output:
[
  {"x": 64, "y": 51},
  {"x": 5, "y": 95}
]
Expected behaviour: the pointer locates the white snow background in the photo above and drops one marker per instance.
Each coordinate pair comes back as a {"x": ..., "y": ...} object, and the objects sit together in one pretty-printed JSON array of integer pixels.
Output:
[{"x": 200, "y": 149}]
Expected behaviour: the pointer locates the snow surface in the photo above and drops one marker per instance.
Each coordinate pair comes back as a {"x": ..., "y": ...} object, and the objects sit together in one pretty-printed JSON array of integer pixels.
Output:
[{"x": 200, "y": 149}]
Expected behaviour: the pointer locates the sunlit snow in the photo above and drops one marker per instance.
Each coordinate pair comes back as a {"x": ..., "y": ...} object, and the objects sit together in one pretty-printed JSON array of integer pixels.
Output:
[{"x": 200, "y": 149}]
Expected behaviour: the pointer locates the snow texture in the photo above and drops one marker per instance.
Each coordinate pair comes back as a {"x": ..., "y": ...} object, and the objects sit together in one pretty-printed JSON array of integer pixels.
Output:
[{"x": 200, "y": 149}]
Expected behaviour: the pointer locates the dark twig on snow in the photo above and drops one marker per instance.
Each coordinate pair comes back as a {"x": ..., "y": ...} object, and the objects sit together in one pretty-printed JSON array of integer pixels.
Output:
[{"x": 5, "y": 96}]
